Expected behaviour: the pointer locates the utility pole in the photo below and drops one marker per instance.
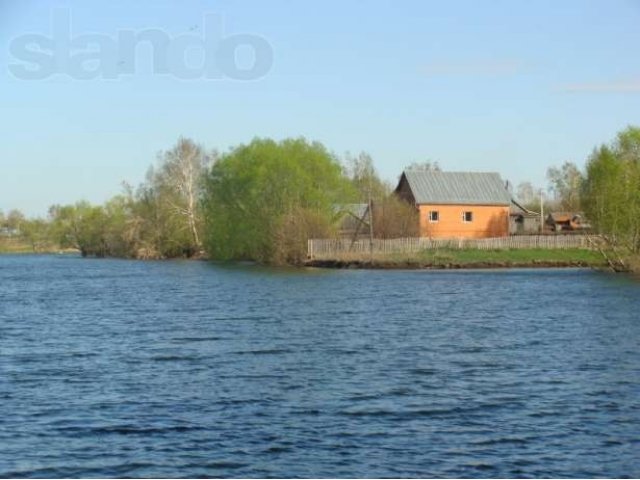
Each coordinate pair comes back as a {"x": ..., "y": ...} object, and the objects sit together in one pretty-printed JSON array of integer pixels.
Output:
[
  {"x": 370, "y": 221},
  {"x": 541, "y": 213}
]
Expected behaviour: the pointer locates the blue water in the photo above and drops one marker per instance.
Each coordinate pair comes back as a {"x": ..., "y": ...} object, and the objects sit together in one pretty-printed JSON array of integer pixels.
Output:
[{"x": 114, "y": 368}]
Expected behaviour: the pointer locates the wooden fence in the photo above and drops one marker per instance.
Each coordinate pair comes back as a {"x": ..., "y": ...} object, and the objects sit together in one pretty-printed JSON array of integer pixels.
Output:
[{"x": 339, "y": 248}]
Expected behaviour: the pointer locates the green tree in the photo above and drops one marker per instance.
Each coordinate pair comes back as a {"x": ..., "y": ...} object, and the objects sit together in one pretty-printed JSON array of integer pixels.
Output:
[
  {"x": 265, "y": 199},
  {"x": 611, "y": 191},
  {"x": 428, "y": 166},
  {"x": 566, "y": 184},
  {"x": 528, "y": 196},
  {"x": 84, "y": 227},
  {"x": 161, "y": 218},
  {"x": 36, "y": 232},
  {"x": 13, "y": 220},
  {"x": 365, "y": 179}
]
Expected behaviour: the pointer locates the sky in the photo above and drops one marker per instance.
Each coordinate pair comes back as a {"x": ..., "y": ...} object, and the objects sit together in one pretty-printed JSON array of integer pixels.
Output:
[{"x": 507, "y": 86}]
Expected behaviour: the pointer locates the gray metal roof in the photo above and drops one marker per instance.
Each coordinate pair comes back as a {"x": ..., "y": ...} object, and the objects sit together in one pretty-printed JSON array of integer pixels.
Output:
[
  {"x": 457, "y": 188},
  {"x": 358, "y": 210},
  {"x": 517, "y": 209}
]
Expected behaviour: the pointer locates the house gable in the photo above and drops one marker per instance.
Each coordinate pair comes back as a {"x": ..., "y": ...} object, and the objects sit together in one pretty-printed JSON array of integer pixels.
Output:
[{"x": 403, "y": 190}]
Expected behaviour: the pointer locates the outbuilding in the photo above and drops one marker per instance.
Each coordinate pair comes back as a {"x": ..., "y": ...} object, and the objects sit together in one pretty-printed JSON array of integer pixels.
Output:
[
  {"x": 523, "y": 221},
  {"x": 566, "y": 221}
]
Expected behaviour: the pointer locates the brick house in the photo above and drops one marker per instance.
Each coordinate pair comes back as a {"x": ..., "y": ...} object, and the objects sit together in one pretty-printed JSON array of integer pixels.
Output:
[{"x": 457, "y": 204}]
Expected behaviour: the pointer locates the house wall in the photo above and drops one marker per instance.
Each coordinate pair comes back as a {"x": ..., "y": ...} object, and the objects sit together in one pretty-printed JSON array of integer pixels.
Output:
[
  {"x": 516, "y": 225},
  {"x": 488, "y": 221},
  {"x": 532, "y": 224},
  {"x": 523, "y": 225}
]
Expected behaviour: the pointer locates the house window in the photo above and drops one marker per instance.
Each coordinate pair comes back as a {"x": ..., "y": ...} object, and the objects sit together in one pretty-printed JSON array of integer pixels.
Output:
[
  {"x": 434, "y": 216},
  {"x": 467, "y": 217}
]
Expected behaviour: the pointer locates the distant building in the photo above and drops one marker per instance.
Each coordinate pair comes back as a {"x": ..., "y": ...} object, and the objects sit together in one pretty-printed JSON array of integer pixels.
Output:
[
  {"x": 566, "y": 221},
  {"x": 9, "y": 232},
  {"x": 457, "y": 204},
  {"x": 523, "y": 221},
  {"x": 353, "y": 219}
]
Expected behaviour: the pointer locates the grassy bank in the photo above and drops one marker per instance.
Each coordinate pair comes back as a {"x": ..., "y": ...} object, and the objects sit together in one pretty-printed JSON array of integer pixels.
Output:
[
  {"x": 17, "y": 245},
  {"x": 472, "y": 258},
  {"x": 14, "y": 245},
  {"x": 427, "y": 259}
]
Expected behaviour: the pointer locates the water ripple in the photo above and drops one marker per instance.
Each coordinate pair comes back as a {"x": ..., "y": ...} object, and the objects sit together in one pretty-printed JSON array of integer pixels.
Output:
[{"x": 187, "y": 369}]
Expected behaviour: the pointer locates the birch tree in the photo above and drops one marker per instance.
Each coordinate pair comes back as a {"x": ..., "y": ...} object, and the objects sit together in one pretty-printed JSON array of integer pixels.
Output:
[
  {"x": 565, "y": 184},
  {"x": 178, "y": 180},
  {"x": 365, "y": 178}
]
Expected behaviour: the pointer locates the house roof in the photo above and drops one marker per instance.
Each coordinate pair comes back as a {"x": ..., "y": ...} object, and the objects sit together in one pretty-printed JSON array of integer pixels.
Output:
[
  {"x": 517, "y": 209},
  {"x": 565, "y": 216},
  {"x": 358, "y": 210},
  {"x": 457, "y": 188}
]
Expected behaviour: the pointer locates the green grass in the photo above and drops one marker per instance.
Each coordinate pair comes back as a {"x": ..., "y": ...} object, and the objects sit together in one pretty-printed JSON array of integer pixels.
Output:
[
  {"x": 17, "y": 245},
  {"x": 517, "y": 256},
  {"x": 13, "y": 245}
]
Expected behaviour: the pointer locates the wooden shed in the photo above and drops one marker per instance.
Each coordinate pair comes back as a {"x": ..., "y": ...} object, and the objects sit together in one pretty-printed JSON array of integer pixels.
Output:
[
  {"x": 352, "y": 220},
  {"x": 567, "y": 221},
  {"x": 523, "y": 221}
]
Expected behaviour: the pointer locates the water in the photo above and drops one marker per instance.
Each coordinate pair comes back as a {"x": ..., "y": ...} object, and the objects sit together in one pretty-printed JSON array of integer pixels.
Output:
[{"x": 187, "y": 369}]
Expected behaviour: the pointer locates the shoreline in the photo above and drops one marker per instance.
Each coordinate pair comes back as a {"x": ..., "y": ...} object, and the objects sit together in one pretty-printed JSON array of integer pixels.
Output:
[
  {"x": 417, "y": 265},
  {"x": 446, "y": 263}
]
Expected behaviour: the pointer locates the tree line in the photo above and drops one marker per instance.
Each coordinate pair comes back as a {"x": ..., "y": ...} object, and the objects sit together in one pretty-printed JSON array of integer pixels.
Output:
[
  {"x": 263, "y": 200},
  {"x": 260, "y": 201},
  {"x": 607, "y": 191},
  {"x": 611, "y": 191},
  {"x": 161, "y": 218}
]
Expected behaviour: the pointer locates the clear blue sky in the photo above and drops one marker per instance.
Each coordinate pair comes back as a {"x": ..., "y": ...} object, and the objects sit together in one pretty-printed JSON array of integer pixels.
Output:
[{"x": 507, "y": 86}]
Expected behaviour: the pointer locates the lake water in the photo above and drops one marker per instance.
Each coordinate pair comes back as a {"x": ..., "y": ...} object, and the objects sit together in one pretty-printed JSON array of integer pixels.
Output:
[{"x": 188, "y": 369}]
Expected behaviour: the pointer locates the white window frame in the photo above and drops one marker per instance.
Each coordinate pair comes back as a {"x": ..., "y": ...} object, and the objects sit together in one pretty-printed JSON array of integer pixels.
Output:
[
  {"x": 437, "y": 215},
  {"x": 464, "y": 216}
]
